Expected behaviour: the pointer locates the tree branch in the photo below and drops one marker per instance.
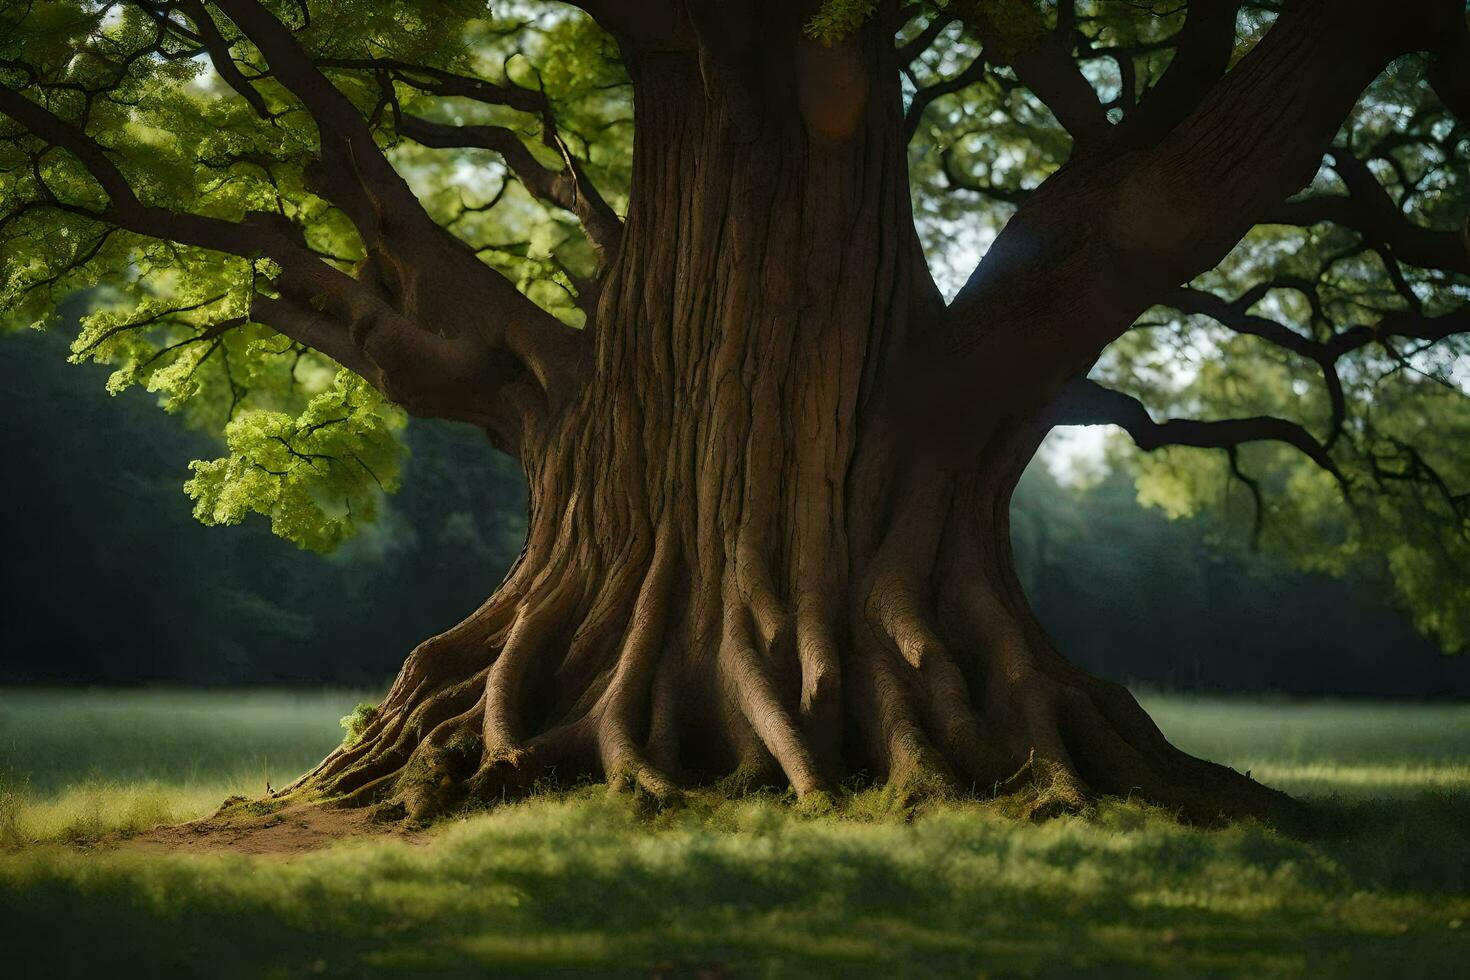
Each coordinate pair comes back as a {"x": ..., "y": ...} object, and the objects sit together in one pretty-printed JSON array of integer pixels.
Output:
[
  {"x": 912, "y": 49},
  {"x": 355, "y": 175},
  {"x": 1047, "y": 69},
  {"x": 1447, "y": 68},
  {"x": 1368, "y": 210},
  {"x": 436, "y": 81},
  {"x": 571, "y": 188},
  {"x": 1103, "y": 238},
  {"x": 568, "y": 188},
  {"x": 454, "y": 374},
  {"x": 1202, "y": 52},
  {"x": 925, "y": 96},
  {"x": 422, "y": 271},
  {"x": 959, "y": 181},
  {"x": 124, "y": 209},
  {"x": 1411, "y": 325},
  {"x": 1085, "y": 402},
  {"x": 259, "y": 235},
  {"x": 219, "y": 55}
]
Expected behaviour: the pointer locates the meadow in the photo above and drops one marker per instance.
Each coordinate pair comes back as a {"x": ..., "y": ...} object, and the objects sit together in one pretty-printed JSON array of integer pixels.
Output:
[{"x": 1375, "y": 880}]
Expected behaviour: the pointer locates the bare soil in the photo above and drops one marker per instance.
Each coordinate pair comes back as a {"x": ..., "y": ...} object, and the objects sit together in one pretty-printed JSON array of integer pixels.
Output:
[{"x": 268, "y": 828}]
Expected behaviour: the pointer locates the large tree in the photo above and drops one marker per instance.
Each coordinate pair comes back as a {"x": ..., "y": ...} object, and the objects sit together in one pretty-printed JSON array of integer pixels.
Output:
[{"x": 670, "y": 255}]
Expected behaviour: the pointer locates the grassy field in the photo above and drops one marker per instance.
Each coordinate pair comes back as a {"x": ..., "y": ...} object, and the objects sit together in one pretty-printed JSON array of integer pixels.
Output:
[{"x": 582, "y": 884}]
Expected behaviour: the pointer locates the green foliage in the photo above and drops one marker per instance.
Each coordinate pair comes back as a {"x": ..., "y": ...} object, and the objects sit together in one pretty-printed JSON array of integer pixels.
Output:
[
  {"x": 837, "y": 19},
  {"x": 356, "y": 722},
  {"x": 1406, "y": 415},
  {"x": 174, "y": 320},
  {"x": 315, "y": 475},
  {"x": 1008, "y": 26}
]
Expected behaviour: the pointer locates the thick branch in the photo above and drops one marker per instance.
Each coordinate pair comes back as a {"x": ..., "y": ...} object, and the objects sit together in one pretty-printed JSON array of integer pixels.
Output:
[
  {"x": 417, "y": 261},
  {"x": 320, "y": 306},
  {"x": 1047, "y": 69},
  {"x": 1085, "y": 402},
  {"x": 436, "y": 81},
  {"x": 567, "y": 188},
  {"x": 1368, "y": 210},
  {"x": 1448, "y": 73},
  {"x": 1406, "y": 324},
  {"x": 1236, "y": 316},
  {"x": 570, "y": 188},
  {"x": 1102, "y": 239},
  {"x": 635, "y": 23},
  {"x": 356, "y": 176},
  {"x": 1201, "y": 55},
  {"x": 219, "y": 56},
  {"x": 912, "y": 49},
  {"x": 1412, "y": 326},
  {"x": 125, "y": 210}
]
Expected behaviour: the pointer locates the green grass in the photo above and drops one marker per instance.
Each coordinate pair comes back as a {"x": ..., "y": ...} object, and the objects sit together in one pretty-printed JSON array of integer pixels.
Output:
[
  {"x": 77, "y": 764},
  {"x": 582, "y": 884}
]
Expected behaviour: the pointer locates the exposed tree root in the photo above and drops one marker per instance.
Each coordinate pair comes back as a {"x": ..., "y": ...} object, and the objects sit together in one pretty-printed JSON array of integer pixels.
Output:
[{"x": 619, "y": 683}]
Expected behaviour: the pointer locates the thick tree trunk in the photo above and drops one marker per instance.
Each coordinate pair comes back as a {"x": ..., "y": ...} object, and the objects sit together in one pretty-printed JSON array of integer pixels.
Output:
[{"x": 740, "y": 561}]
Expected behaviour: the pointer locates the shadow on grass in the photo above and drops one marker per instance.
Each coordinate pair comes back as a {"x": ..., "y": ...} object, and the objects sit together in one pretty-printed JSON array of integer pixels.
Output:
[
  {"x": 1415, "y": 842},
  {"x": 580, "y": 884}
]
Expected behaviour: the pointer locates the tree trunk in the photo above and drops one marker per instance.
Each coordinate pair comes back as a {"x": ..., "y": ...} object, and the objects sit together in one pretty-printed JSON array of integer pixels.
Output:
[{"x": 742, "y": 558}]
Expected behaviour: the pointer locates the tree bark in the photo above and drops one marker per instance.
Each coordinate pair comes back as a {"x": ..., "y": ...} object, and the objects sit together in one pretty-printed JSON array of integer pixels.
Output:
[{"x": 743, "y": 560}]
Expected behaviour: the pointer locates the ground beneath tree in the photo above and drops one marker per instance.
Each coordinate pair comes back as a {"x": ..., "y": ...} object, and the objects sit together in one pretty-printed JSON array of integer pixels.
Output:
[
  {"x": 587, "y": 883},
  {"x": 266, "y": 828}
]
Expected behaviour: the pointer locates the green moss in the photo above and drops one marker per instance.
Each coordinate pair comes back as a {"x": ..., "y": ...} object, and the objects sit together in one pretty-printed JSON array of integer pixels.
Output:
[
  {"x": 744, "y": 781},
  {"x": 239, "y": 805},
  {"x": 355, "y": 723}
]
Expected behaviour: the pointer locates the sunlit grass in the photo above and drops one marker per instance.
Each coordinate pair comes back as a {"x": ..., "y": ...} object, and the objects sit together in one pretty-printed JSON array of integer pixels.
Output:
[
  {"x": 582, "y": 882},
  {"x": 91, "y": 810},
  {"x": 1376, "y": 883}
]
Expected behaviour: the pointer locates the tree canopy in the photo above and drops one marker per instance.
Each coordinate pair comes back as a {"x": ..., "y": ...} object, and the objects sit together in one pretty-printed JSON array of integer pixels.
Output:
[{"x": 188, "y": 162}]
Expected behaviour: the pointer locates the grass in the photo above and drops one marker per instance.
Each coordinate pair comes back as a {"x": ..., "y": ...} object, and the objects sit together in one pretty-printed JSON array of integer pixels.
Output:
[
  {"x": 75, "y": 765},
  {"x": 580, "y": 883}
]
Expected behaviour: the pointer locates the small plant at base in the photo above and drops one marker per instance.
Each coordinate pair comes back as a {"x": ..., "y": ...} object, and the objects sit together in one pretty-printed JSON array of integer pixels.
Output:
[{"x": 354, "y": 724}]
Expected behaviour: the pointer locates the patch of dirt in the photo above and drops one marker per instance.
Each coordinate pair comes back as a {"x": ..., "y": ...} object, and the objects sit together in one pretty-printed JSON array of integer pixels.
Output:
[{"x": 287, "y": 830}]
